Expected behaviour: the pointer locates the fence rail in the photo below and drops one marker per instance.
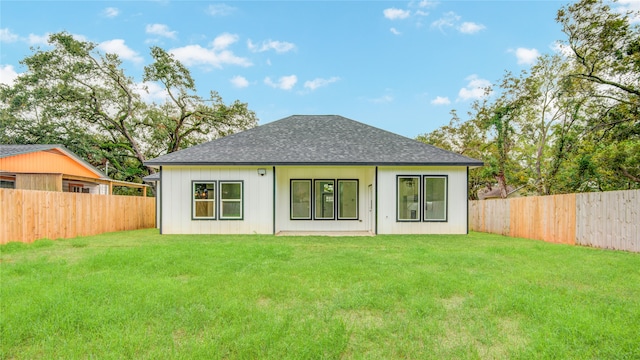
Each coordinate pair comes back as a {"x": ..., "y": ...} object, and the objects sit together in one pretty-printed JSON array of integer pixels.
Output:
[
  {"x": 28, "y": 215},
  {"x": 608, "y": 220}
]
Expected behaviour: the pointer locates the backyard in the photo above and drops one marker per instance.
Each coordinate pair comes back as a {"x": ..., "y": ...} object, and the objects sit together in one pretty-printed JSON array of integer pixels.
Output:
[{"x": 140, "y": 295}]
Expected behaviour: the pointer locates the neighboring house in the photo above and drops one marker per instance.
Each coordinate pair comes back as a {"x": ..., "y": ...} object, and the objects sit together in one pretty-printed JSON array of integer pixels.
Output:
[
  {"x": 53, "y": 168},
  {"x": 308, "y": 174}
]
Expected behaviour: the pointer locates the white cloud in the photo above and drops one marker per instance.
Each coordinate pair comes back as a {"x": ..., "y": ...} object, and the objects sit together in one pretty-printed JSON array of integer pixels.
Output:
[
  {"x": 470, "y": 28},
  {"x": 562, "y": 49},
  {"x": 7, "y": 74},
  {"x": 118, "y": 47},
  {"x": 7, "y": 36},
  {"x": 319, "y": 82},
  {"x": 34, "y": 39},
  {"x": 284, "y": 83},
  {"x": 449, "y": 19},
  {"x": 630, "y": 5},
  {"x": 160, "y": 30},
  {"x": 384, "y": 99},
  {"x": 197, "y": 55},
  {"x": 394, "y": 31},
  {"x": 239, "y": 82},
  {"x": 422, "y": 13},
  {"x": 426, "y": 4},
  {"x": 395, "y": 14},
  {"x": 475, "y": 89},
  {"x": 111, "y": 12},
  {"x": 440, "y": 100},
  {"x": 220, "y": 10},
  {"x": 278, "y": 46},
  {"x": 223, "y": 41},
  {"x": 151, "y": 92},
  {"x": 526, "y": 56}
]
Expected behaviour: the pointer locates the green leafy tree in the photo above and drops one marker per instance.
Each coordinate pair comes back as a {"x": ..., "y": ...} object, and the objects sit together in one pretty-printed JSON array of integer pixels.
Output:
[
  {"x": 187, "y": 119},
  {"x": 75, "y": 95},
  {"x": 465, "y": 138},
  {"x": 605, "y": 46}
]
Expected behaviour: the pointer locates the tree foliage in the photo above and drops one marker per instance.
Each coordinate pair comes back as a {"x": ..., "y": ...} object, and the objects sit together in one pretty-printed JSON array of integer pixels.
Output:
[
  {"x": 77, "y": 96},
  {"x": 571, "y": 123}
]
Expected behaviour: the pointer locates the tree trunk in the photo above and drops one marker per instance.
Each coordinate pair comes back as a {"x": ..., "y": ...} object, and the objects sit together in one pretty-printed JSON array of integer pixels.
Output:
[{"x": 502, "y": 184}]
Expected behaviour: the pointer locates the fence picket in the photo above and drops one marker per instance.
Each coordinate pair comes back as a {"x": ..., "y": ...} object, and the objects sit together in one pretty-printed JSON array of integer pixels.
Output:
[
  {"x": 609, "y": 220},
  {"x": 28, "y": 215}
]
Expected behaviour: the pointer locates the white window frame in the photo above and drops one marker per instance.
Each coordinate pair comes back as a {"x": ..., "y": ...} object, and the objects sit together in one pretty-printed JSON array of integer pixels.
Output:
[
  {"x": 418, "y": 217},
  {"x": 310, "y": 199},
  {"x": 337, "y": 192},
  {"x": 426, "y": 198},
  {"x": 195, "y": 200},
  {"x": 315, "y": 200},
  {"x": 222, "y": 201}
]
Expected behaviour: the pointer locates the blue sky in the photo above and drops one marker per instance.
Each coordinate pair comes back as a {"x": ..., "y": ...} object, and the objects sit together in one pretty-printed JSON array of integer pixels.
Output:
[{"x": 398, "y": 65}]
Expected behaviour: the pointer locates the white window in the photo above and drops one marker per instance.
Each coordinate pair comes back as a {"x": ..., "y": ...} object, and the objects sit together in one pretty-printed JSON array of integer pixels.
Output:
[
  {"x": 204, "y": 200},
  {"x": 408, "y": 196},
  {"x": 300, "y": 199},
  {"x": 435, "y": 198},
  {"x": 76, "y": 188},
  {"x": 324, "y": 200},
  {"x": 347, "y": 199},
  {"x": 231, "y": 200}
]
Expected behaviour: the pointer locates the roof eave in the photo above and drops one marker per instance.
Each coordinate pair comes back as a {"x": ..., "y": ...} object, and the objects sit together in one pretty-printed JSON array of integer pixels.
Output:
[{"x": 327, "y": 163}]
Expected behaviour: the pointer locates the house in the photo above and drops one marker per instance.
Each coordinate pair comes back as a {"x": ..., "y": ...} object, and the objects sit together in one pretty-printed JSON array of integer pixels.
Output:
[
  {"x": 308, "y": 174},
  {"x": 53, "y": 168}
]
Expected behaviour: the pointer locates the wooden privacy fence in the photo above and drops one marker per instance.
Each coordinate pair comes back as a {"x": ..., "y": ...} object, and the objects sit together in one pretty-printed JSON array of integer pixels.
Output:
[
  {"x": 28, "y": 215},
  {"x": 608, "y": 220}
]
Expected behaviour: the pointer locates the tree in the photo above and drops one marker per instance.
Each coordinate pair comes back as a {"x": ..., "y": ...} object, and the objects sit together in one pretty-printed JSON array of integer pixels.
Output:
[
  {"x": 186, "y": 119},
  {"x": 500, "y": 118},
  {"x": 553, "y": 110},
  {"x": 465, "y": 138},
  {"x": 72, "y": 89},
  {"x": 606, "y": 49},
  {"x": 74, "y": 93}
]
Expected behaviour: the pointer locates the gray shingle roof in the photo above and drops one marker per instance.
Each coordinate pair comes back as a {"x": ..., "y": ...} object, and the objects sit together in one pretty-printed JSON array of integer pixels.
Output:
[
  {"x": 314, "y": 140},
  {"x": 12, "y": 150}
]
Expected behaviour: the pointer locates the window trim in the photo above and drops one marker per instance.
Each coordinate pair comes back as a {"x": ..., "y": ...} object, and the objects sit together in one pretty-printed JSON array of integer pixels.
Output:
[
  {"x": 315, "y": 217},
  {"x": 311, "y": 199},
  {"x": 214, "y": 200},
  {"x": 419, "y": 217},
  {"x": 337, "y": 193},
  {"x": 74, "y": 186},
  {"x": 446, "y": 197},
  {"x": 220, "y": 201}
]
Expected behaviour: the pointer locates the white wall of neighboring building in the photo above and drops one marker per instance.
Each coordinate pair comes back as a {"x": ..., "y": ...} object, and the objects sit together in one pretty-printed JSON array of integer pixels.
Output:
[
  {"x": 176, "y": 200},
  {"x": 456, "y": 194}
]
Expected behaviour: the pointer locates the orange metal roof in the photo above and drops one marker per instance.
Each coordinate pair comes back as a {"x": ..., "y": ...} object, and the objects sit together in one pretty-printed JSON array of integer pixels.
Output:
[{"x": 46, "y": 161}]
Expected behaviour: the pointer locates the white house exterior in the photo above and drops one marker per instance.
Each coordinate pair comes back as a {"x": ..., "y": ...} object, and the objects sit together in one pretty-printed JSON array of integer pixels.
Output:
[{"x": 313, "y": 174}]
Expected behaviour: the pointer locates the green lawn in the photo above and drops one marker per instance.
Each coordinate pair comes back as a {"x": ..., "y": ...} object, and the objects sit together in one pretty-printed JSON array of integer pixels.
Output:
[{"x": 141, "y": 295}]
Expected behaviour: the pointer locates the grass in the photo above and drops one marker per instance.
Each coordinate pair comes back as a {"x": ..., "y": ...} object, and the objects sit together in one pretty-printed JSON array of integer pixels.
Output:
[{"x": 141, "y": 295}]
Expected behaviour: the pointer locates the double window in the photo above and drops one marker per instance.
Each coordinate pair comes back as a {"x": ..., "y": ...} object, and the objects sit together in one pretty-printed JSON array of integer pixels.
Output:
[
  {"x": 321, "y": 199},
  {"x": 217, "y": 200},
  {"x": 421, "y": 198}
]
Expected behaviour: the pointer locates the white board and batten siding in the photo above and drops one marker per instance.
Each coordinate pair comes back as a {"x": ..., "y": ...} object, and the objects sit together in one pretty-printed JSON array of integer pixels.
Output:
[
  {"x": 177, "y": 200},
  {"x": 258, "y": 217},
  {"x": 365, "y": 176},
  {"x": 456, "y": 205}
]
